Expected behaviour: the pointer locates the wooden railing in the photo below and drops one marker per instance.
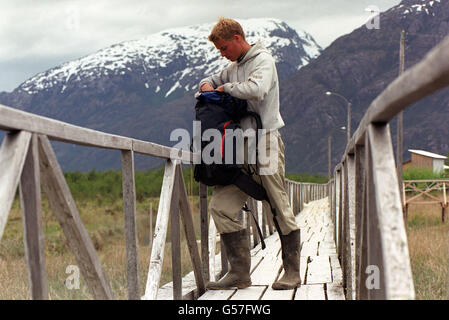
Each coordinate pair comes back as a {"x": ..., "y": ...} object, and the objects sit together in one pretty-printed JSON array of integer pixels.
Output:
[
  {"x": 366, "y": 201},
  {"x": 420, "y": 189},
  {"x": 27, "y": 159}
]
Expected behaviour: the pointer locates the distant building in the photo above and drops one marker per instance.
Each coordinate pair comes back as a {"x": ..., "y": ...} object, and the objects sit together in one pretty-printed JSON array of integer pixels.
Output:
[{"x": 425, "y": 159}]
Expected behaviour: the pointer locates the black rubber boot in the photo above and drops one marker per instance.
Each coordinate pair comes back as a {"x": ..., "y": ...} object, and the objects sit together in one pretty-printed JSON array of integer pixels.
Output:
[
  {"x": 290, "y": 260},
  {"x": 237, "y": 249}
]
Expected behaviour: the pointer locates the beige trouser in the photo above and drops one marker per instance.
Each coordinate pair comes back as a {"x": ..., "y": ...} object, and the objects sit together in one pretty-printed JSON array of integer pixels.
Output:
[{"x": 227, "y": 201}]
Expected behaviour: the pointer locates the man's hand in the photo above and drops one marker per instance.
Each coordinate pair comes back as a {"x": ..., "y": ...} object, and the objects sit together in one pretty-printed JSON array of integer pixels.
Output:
[
  {"x": 220, "y": 88},
  {"x": 206, "y": 87}
]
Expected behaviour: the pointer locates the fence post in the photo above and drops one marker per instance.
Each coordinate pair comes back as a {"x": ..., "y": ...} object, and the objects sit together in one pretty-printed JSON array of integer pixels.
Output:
[
  {"x": 359, "y": 204},
  {"x": 30, "y": 201},
  {"x": 204, "y": 216},
  {"x": 129, "y": 207},
  {"x": 386, "y": 231}
]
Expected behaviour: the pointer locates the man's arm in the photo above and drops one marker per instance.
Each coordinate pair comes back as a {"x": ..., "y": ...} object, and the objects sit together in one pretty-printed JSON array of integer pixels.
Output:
[
  {"x": 214, "y": 81},
  {"x": 206, "y": 87}
]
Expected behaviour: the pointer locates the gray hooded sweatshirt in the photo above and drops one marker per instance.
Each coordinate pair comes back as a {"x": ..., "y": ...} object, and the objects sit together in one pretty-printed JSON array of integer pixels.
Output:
[{"x": 254, "y": 79}]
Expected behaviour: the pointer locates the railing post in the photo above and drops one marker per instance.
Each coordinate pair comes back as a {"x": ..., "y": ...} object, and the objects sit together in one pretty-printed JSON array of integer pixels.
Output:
[
  {"x": 13, "y": 152},
  {"x": 204, "y": 216},
  {"x": 340, "y": 213},
  {"x": 30, "y": 200},
  {"x": 129, "y": 207},
  {"x": 349, "y": 227},
  {"x": 175, "y": 233},
  {"x": 359, "y": 204},
  {"x": 160, "y": 232},
  {"x": 189, "y": 230},
  {"x": 387, "y": 240}
]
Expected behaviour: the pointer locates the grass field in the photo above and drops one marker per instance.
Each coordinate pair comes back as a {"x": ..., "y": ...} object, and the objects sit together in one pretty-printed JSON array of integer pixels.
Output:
[
  {"x": 105, "y": 225},
  {"x": 428, "y": 242}
]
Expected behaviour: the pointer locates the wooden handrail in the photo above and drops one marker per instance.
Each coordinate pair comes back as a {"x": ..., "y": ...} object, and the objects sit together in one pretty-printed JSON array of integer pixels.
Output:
[
  {"x": 365, "y": 200},
  {"x": 16, "y": 120}
]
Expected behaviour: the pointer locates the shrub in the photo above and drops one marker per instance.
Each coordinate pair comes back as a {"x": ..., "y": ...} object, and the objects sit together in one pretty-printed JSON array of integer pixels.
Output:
[
  {"x": 421, "y": 173},
  {"x": 307, "y": 177}
]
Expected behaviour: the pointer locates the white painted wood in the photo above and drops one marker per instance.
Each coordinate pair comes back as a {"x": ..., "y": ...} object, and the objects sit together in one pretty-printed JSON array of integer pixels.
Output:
[
  {"x": 309, "y": 249},
  {"x": 268, "y": 269},
  {"x": 335, "y": 292},
  {"x": 188, "y": 288},
  {"x": 303, "y": 262},
  {"x": 310, "y": 292},
  {"x": 12, "y": 157},
  {"x": 337, "y": 273},
  {"x": 271, "y": 294},
  {"x": 349, "y": 251},
  {"x": 250, "y": 293},
  {"x": 319, "y": 270},
  {"x": 217, "y": 295},
  {"x": 212, "y": 249},
  {"x": 396, "y": 260},
  {"x": 326, "y": 250},
  {"x": 160, "y": 232}
]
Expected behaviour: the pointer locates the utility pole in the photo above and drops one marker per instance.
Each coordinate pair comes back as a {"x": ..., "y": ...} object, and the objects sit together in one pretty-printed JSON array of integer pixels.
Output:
[
  {"x": 400, "y": 119},
  {"x": 349, "y": 122},
  {"x": 329, "y": 146}
]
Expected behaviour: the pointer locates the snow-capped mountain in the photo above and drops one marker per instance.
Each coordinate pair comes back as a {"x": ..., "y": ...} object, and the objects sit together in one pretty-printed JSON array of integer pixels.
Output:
[
  {"x": 172, "y": 60},
  {"x": 419, "y": 6},
  {"x": 144, "y": 88}
]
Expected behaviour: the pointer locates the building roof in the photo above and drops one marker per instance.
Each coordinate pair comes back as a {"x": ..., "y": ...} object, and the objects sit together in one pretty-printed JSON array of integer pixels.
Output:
[{"x": 427, "y": 154}]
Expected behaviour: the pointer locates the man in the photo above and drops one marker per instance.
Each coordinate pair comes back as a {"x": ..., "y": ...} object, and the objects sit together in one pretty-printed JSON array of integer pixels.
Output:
[{"x": 252, "y": 76}]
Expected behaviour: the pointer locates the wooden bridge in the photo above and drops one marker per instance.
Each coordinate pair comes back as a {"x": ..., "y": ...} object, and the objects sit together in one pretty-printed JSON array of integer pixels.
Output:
[{"x": 354, "y": 244}]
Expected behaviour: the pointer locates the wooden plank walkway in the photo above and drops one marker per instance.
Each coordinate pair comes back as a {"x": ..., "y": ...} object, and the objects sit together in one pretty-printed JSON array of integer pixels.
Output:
[{"x": 320, "y": 269}]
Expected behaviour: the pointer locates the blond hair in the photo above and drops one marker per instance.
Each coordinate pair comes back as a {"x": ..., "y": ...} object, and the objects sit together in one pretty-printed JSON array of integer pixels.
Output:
[{"x": 225, "y": 29}]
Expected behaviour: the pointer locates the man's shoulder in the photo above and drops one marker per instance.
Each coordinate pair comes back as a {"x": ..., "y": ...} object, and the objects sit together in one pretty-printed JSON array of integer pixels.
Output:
[{"x": 263, "y": 56}]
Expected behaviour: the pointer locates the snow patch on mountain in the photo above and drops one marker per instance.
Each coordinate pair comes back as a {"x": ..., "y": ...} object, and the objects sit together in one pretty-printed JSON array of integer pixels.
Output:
[
  {"x": 172, "y": 59},
  {"x": 420, "y": 7}
]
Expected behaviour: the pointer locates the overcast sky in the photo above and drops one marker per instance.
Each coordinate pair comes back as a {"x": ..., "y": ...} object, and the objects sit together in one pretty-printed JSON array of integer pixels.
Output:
[{"x": 36, "y": 35}]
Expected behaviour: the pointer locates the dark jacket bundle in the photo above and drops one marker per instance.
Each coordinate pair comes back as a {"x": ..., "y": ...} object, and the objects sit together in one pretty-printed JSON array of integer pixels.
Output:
[{"x": 217, "y": 110}]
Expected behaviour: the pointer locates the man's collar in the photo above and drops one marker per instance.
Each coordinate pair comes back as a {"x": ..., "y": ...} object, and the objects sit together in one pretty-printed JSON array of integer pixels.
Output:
[{"x": 243, "y": 55}]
